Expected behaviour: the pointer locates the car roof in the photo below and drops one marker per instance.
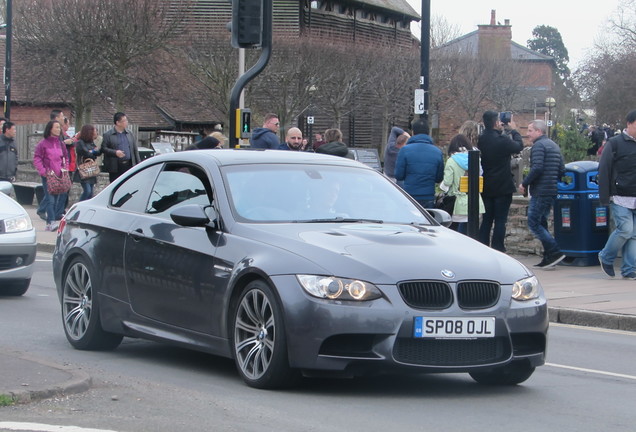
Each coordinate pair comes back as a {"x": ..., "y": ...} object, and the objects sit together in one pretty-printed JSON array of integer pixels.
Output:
[{"x": 225, "y": 157}]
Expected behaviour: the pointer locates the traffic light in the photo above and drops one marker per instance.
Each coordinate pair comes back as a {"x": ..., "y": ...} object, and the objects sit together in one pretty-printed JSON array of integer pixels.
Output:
[
  {"x": 247, "y": 23},
  {"x": 243, "y": 123}
]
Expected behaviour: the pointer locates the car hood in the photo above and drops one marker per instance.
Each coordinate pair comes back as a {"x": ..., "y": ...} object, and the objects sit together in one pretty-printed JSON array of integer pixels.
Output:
[
  {"x": 385, "y": 253},
  {"x": 9, "y": 207}
]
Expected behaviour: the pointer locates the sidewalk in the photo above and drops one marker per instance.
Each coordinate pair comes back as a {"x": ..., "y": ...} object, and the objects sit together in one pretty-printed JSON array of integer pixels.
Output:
[{"x": 576, "y": 295}]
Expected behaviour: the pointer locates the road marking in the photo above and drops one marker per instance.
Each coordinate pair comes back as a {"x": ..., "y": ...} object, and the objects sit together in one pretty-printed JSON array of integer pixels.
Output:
[
  {"x": 38, "y": 427},
  {"x": 594, "y": 371}
]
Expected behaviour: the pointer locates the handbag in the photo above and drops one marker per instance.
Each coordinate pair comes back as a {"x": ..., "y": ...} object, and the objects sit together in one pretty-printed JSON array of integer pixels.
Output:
[
  {"x": 88, "y": 169},
  {"x": 445, "y": 202},
  {"x": 58, "y": 185}
]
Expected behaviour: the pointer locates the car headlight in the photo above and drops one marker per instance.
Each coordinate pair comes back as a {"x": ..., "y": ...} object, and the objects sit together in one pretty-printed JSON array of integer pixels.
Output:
[
  {"x": 526, "y": 289},
  {"x": 17, "y": 224},
  {"x": 336, "y": 288}
]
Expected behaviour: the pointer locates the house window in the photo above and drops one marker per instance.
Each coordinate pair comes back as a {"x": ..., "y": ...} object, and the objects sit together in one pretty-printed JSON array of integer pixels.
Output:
[{"x": 315, "y": 4}]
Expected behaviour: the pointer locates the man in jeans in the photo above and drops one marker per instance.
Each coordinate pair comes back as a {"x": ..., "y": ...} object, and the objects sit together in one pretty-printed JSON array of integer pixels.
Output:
[
  {"x": 617, "y": 187},
  {"x": 546, "y": 168}
]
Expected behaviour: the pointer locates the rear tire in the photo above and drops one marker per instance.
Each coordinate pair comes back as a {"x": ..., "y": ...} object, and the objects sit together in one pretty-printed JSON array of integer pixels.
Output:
[
  {"x": 511, "y": 374},
  {"x": 15, "y": 288},
  {"x": 80, "y": 310},
  {"x": 258, "y": 339}
]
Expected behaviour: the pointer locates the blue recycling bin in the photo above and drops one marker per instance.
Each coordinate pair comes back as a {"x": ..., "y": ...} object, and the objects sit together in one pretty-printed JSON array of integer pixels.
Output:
[{"x": 581, "y": 223}]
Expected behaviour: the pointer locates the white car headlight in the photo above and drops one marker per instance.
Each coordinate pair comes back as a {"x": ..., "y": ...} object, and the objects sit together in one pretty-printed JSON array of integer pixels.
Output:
[
  {"x": 17, "y": 224},
  {"x": 526, "y": 289},
  {"x": 336, "y": 288}
]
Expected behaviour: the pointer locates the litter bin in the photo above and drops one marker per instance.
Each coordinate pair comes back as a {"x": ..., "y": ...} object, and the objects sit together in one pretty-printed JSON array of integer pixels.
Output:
[{"x": 581, "y": 223}]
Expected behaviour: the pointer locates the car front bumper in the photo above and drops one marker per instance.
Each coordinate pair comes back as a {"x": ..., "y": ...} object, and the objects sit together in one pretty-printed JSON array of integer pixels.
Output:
[{"x": 347, "y": 337}]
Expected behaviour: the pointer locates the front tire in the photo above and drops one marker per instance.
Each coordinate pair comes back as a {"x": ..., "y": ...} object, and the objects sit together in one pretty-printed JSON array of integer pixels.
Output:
[
  {"x": 512, "y": 374},
  {"x": 80, "y": 310},
  {"x": 258, "y": 339}
]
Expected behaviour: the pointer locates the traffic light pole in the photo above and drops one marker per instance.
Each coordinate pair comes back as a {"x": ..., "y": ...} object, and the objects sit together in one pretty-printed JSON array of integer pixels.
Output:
[{"x": 241, "y": 82}]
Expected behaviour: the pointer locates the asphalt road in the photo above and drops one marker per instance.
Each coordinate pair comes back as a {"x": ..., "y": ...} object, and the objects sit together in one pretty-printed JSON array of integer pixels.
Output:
[{"x": 589, "y": 384}]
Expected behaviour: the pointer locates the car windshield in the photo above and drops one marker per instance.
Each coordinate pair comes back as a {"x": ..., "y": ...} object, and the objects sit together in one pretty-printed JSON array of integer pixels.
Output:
[{"x": 316, "y": 194}]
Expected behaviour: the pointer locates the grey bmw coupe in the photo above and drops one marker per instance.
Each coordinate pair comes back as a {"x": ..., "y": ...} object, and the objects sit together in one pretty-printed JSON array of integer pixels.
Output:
[{"x": 292, "y": 264}]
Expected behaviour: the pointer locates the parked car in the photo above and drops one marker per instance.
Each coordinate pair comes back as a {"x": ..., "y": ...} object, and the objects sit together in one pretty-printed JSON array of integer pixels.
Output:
[
  {"x": 292, "y": 263},
  {"x": 17, "y": 245}
]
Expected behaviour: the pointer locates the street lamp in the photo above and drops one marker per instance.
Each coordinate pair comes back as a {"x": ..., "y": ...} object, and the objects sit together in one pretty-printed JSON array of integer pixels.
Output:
[{"x": 550, "y": 103}]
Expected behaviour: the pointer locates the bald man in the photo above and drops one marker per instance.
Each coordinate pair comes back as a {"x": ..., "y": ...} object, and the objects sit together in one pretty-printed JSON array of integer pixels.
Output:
[{"x": 293, "y": 140}]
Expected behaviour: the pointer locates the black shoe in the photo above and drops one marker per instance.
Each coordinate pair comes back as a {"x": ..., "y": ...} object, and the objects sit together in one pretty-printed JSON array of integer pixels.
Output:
[
  {"x": 42, "y": 215},
  {"x": 542, "y": 264},
  {"x": 608, "y": 269},
  {"x": 630, "y": 276},
  {"x": 553, "y": 259}
]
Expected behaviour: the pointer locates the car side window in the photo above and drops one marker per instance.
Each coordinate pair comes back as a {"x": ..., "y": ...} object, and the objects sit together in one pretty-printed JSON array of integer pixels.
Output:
[
  {"x": 176, "y": 186},
  {"x": 132, "y": 194}
]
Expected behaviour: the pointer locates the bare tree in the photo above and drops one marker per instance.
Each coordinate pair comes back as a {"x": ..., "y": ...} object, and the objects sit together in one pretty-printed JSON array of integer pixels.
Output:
[
  {"x": 83, "y": 50},
  {"x": 212, "y": 68},
  {"x": 623, "y": 24},
  {"x": 442, "y": 31},
  {"x": 286, "y": 85}
]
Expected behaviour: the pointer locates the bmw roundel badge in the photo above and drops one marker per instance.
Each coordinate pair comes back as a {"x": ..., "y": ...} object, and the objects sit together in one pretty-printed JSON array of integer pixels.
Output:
[{"x": 448, "y": 274}]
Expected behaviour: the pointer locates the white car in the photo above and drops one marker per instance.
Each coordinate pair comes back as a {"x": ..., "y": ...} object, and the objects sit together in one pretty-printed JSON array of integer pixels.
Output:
[{"x": 17, "y": 245}]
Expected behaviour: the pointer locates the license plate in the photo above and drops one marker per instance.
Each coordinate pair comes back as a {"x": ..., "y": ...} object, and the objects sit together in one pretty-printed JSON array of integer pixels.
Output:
[{"x": 448, "y": 327}]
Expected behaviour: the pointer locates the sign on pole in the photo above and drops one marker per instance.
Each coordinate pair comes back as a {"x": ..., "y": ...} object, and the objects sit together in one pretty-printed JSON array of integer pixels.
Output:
[{"x": 419, "y": 101}]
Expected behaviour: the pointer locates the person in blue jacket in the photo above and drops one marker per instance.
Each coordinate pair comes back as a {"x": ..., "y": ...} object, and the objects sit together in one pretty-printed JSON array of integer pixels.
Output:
[
  {"x": 420, "y": 165},
  {"x": 266, "y": 137}
]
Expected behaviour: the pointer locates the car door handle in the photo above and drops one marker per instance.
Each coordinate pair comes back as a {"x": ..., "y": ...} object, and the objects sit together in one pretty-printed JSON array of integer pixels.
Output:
[{"x": 137, "y": 234}]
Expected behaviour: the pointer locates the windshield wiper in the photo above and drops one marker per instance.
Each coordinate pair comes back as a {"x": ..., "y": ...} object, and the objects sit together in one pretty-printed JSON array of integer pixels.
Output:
[{"x": 339, "y": 220}]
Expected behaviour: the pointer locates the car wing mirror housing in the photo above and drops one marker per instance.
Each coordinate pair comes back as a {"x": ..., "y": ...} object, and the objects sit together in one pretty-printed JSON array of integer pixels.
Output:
[
  {"x": 194, "y": 215},
  {"x": 441, "y": 217}
]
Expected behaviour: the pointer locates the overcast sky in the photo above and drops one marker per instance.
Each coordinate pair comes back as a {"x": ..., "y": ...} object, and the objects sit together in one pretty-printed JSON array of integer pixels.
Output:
[{"x": 578, "y": 22}]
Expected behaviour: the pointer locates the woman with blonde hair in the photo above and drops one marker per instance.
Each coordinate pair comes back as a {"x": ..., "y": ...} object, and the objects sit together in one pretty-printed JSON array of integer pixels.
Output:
[{"x": 471, "y": 130}]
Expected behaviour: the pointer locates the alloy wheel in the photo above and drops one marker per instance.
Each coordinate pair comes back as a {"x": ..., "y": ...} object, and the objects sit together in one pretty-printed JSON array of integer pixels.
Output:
[
  {"x": 254, "y": 334},
  {"x": 77, "y": 301}
]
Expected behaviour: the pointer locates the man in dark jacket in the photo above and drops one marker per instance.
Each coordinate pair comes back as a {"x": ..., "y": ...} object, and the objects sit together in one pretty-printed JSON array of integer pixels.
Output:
[
  {"x": 119, "y": 148},
  {"x": 617, "y": 188},
  {"x": 546, "y": 168},
  {"x": 420, "y": 165},
  {"x": 8, "y": 153},
  {"x": 392, "y": 150},
  {"x": 266, "y": 137},
  {"x": 496, "y": 149}
]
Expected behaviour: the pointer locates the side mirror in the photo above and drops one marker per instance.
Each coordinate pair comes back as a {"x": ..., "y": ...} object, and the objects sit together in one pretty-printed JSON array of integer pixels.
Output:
[
  {"x": 6, "y": 187},
  {"x": 441, "y": 217},
  {"x": 194, "y": 215}
]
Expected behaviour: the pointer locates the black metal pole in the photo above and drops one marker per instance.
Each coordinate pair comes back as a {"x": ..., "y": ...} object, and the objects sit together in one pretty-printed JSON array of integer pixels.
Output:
[
  {"x": 425, "y": 43},
  {"x": 473, "y": 194},
  {"x": 7, "y": 62},
  {"x": 241, "y": 82}
]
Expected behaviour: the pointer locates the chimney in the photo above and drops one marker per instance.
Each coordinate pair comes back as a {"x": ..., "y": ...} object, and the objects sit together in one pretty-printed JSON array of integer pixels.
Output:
[
  {"x": 507, "y": 22},
  {"x": 493, "y": 21}
]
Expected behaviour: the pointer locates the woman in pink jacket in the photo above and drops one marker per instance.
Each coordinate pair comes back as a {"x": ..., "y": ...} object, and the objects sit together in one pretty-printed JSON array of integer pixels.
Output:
[{"x": 50, "y": 155}]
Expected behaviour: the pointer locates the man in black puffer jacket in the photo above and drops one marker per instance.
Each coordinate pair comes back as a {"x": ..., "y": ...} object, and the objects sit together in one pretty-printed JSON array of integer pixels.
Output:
[{"x": 546, "y": 168}]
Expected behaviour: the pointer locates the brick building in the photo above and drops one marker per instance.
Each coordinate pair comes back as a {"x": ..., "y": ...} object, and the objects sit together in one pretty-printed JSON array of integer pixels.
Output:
[{"x": 523, "y": 91}]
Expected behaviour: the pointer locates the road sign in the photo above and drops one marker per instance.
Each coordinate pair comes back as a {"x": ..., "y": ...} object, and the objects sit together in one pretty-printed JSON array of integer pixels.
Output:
[
  {"x": 310, "y": 119},
  {"x": 550, "y": 124},
  {"x": 419, "y": 101}
]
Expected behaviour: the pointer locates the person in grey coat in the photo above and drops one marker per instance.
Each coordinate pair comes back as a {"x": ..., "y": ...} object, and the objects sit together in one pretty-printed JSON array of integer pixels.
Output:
[
  {"x": 119, "y": 148},
  {"x": 546, "y": 168},
  {"x": 8, "y": 153}
]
